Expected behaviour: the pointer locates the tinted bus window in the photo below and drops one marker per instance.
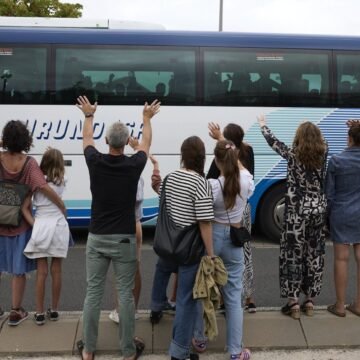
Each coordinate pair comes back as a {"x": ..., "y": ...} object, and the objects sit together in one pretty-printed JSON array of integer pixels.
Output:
[
  {"x": 22, "y": 75},
  {"x": 266, "y": 77},
  {"x": 125, "y": 75},
  {"x": 348, "y": 79}
]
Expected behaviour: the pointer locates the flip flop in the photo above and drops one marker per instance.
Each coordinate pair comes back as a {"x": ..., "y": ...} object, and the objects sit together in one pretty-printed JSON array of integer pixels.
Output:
[
  {"x": 332, "y": 309},
  {"x": 352, "y": 309},
  {"x": 139, "y": 345}
]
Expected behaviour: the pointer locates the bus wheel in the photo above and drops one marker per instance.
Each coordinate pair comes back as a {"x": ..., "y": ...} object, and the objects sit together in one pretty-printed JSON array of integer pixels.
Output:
[{"x": 271, "y": 212}]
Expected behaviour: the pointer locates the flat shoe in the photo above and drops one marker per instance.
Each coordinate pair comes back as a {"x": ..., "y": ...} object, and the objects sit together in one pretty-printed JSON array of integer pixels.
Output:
[
  {"x": 80, "y": 346},
  {"x": 352, "y": 309},
  {"x": 332, "y": 309},
  {"x": 139, "y": 345}
]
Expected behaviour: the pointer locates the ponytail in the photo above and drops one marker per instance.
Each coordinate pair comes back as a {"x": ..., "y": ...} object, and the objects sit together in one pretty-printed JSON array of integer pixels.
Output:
[{"x": 226, "y": 156}]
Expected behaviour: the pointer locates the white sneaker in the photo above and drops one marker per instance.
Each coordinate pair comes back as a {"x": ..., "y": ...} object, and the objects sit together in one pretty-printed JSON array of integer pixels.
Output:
[{"x": 114, "y": 316}]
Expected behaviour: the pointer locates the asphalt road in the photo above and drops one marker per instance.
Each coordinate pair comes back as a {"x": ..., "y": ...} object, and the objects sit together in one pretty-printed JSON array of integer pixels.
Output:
[{"x": 265, "y": 256}]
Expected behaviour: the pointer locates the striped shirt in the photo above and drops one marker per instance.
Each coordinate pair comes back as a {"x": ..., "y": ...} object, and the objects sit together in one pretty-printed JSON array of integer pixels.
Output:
[{"x": 188, "y": 198}]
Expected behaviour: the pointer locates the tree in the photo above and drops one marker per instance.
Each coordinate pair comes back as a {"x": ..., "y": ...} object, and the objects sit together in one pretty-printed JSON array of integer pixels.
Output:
[{"x": 40, "y": 8}]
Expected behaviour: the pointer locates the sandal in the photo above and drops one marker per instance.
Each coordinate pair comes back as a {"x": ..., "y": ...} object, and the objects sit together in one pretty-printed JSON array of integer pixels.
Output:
[
  {"x": 352, "y": 309},
  {"x": 244, "y": 355},
  {"x": 308, "y": 307},
  {"x": 199, "y": 345},
  {"x": 80, "y": 346},
  {"x": 332, "y": 309},
  {"x": 291, "y": 311},
  {"x": 139, "y": 345}
]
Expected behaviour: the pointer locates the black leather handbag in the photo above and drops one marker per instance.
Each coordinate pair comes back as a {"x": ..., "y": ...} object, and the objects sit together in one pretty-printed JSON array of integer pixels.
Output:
[
  {"x": 238, "y": 236},
  {"x": 180, "y": 245}
]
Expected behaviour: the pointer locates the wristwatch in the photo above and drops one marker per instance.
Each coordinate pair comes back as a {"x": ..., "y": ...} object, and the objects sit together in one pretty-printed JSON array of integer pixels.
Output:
[{"x": 89, "y": 115}]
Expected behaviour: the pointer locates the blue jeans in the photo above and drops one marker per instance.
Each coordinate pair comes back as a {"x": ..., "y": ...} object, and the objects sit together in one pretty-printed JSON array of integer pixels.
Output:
[
  {"x": 233, "y": 258},
  {"x": 163, "y": 271},
  {"x": 187, "y": 311}
]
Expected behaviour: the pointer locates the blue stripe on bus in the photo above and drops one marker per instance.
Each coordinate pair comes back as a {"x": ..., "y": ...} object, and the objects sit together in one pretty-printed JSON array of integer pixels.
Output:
[{"x": 24, "y": 35}]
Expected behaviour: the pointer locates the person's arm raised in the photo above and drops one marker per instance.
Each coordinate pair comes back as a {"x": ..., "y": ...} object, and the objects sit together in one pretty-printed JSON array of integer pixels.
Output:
[
  {"x": 88, "y": 110},
  {"x": 148, "y": 112}
]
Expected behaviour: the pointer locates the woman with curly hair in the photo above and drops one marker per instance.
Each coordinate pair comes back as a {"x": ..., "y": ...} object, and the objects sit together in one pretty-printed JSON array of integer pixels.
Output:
[
  {"x": 17, "y": 166},
  {"x": 302, "y": 244}
]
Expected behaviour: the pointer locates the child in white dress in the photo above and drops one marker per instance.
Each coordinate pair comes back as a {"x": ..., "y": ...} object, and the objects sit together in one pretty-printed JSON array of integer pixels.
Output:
[{"x": 50, "y": 235}]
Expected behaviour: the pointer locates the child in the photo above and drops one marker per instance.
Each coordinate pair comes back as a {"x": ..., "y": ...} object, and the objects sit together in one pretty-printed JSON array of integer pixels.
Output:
[
  {"x": 50, "y": 235},
  {"x": 114, "y": 316}
]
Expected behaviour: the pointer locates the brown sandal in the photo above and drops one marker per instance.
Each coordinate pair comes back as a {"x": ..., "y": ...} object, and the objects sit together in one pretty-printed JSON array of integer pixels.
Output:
[
  {"x": 308, "y": 307},
  {"x": 332, "y": 309},
  {"x": 352, "y": 309}
]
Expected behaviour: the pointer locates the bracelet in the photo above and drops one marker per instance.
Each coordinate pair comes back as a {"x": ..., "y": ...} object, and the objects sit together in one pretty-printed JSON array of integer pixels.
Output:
[{"x": 87, "y": 115}]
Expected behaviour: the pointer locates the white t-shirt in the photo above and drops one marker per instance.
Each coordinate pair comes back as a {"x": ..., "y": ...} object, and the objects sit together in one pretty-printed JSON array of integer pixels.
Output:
[{"x": 235, "y": 214}]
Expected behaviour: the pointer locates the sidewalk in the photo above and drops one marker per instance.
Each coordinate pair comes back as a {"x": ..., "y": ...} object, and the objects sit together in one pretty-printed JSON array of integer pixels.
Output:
[{"x": 263, "y": 330}]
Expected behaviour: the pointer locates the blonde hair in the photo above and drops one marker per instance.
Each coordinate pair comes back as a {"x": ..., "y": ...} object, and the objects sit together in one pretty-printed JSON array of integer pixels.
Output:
[
  {"x": 309, "y": 146},
  {"x": 52, "y": 166}
]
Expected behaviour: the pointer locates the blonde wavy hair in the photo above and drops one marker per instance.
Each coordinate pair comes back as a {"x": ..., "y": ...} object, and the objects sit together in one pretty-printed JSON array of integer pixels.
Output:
[
  {"x": 53, "y": 167},
  {"x": 309, "y": 146}
]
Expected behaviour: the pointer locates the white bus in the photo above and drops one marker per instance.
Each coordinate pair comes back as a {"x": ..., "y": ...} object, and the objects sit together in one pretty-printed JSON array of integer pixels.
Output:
[{"x": 198, "y": 76}]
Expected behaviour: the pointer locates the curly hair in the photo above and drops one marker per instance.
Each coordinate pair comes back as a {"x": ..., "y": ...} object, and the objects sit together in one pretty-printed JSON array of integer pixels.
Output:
[
  {"x": 309, "y": 146},
  {"x": 193, "y": 154},
  {"x": 226, "y": 158},
  {"x": 52, "y": 166},
  {"x": 16, "y": 137}
]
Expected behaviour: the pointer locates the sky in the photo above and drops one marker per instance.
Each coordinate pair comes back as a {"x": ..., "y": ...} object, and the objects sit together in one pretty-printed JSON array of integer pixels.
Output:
[{"x": 276, "y": 16}]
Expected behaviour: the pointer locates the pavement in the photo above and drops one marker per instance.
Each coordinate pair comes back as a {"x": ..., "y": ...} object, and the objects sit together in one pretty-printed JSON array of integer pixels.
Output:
[{"x": 265, "y": 330}]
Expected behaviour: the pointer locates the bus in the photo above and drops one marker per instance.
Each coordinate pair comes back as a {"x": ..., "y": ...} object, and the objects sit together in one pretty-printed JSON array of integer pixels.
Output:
[{"x": 199, "y": 77}]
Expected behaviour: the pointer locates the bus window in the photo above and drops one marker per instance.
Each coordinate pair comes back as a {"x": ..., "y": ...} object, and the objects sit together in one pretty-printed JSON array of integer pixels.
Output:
[
  {"x": 262, "y": 77},
  {"x": 124, "y": 75},
  {"x": 348, "y": 79},
  {"x": 22, "y": 81}
]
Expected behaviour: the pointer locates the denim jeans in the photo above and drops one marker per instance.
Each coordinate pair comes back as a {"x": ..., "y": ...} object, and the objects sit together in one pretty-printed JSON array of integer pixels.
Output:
[
  {"x": 100, "y": 251},
  {"x": 163, "y": 271},
  {"x": 187, "y": 311},
  {"x": 233, "y": 258}
]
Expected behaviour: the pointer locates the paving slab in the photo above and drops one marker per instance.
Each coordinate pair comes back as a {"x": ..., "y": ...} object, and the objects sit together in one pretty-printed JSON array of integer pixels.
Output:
[
  {"x": 265, "y": 330},
  {"x": 109, "y": 334},
  {"x": 55, "y": 337},
  {"x": 326, "y": 330}
]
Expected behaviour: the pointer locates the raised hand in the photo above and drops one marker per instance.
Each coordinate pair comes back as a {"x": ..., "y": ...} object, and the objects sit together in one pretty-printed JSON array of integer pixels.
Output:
[
  {"x": 85, "y": 106},
  {"x": 352, "y": 122},
  {"x": 261, "y": 119},
  {"x": 150, "y": 110},
  {"x": 215, "y": 131},
  {"x": 154, "y": 162},
  {"x": 134, "y": 142}
]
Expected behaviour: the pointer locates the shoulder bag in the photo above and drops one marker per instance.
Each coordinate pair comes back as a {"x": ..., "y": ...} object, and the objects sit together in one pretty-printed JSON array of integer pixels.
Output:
[
  {"x": 12, "y": 196},
  {"x": 238, "y": 236},
  {"x": 181, "y": 245}
]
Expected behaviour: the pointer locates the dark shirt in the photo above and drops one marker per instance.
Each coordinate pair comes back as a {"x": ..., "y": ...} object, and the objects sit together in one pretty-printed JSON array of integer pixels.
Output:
[
  {"x": 113, "y": 185},
  {"x": 247, "y": 161}
]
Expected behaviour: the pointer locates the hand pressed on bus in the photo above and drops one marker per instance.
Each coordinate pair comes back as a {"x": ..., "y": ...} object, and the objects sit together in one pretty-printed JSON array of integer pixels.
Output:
[
  {"x": 353, "y": 122},
  {"x": 134, "y": 143}
]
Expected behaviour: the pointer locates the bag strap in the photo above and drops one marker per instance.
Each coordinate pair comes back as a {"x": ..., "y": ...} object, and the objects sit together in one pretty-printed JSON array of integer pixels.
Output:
[{"x": 18, "y": 177}]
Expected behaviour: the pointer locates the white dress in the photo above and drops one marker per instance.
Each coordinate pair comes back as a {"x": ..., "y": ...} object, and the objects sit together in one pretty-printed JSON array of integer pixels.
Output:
[{"x": 50, "y": 233}]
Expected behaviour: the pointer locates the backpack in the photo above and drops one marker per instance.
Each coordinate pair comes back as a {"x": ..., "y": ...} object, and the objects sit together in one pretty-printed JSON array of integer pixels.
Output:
[{"x": 12, "y": 196}]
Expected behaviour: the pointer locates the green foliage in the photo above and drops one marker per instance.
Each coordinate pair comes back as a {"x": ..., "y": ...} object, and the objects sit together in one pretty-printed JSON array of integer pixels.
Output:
[{"x": 39, "y": 8}]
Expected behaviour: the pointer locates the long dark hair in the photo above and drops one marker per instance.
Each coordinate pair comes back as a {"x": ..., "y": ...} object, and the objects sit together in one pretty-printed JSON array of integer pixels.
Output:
[
  {"x": 235, "y": 133},
  {"x": 193, "y": 154},
  {"x": 226, "y": 158}
]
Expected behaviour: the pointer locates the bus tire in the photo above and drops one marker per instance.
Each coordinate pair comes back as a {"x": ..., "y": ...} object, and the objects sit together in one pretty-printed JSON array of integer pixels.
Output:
[{"x": 271, "y": 212}]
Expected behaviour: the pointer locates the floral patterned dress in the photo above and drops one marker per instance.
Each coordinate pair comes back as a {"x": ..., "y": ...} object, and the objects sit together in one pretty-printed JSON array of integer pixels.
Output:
[{"x": 302, "y": 244}]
